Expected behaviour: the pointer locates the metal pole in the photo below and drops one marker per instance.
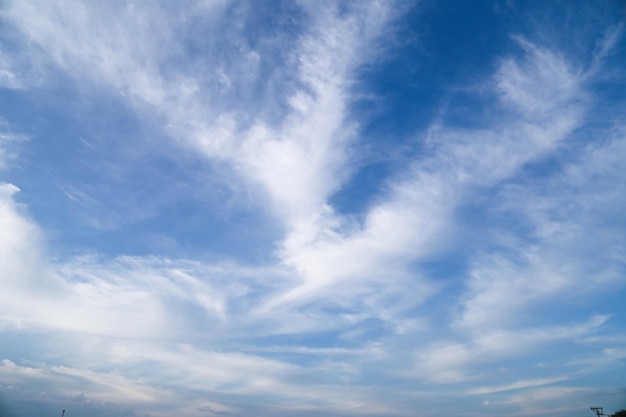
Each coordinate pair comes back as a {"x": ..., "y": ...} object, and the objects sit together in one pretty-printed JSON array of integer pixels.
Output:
[{"x": 598, "y": 411}]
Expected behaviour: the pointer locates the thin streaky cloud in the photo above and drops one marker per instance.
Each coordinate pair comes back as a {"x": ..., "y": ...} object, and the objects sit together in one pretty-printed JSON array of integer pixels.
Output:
[{"x": 192, "y": 221}]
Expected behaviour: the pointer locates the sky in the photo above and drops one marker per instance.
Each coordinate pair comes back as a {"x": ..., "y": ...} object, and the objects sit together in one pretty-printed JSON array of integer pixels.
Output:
[{"x": 301, "y": 208}]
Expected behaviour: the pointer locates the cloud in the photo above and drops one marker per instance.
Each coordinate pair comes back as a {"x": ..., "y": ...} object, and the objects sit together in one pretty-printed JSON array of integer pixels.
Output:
[
  {"x": 461, "y": 361},
  {"x": 8, "y": 142},
  {"x": 104, "y": 386},
  {"x": 19, "y": 242},
  {"x": 522, "y": 202},
  {"x": 516, "y": 385},
  {"x": 211, "y": 410},
  {"x": 133, "y": 297},
  {"x": 564, "y": 226},
  {"x": 7, "y": 77},
  {"x": 540, "y": 85},
  {"x": 412, "y": 221}
]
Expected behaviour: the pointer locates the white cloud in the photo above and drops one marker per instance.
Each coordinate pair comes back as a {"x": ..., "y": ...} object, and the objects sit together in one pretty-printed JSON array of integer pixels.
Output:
[
  {"x": 542, "y": 84},
  {"x": 7, "y": 77},
  {"x": 304, "y": 161},
  {"x": 8, "y": 143},
  {"x": 564, "y": 227},
  {"x": 516, "y": 385},
  {"x": 558, "y": 399},
  {"x": 155, "y": 298},
  {"x": 412, "y": 222},
  {"x": 462, "y": 361},
  {"x": 19, "y": 243},
  {"x": 79, "y": 384},
  {"x": 141, "y": 322},
  {"x": 185, "y": 377}
]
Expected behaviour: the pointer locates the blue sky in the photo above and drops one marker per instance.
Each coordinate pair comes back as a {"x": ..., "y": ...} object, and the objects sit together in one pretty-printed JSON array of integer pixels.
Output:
[{"x": 304, "y": 208}]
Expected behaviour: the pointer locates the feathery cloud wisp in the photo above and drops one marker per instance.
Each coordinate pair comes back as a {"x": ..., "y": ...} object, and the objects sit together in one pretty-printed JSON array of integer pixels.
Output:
[{"x": 179, "y": 244}]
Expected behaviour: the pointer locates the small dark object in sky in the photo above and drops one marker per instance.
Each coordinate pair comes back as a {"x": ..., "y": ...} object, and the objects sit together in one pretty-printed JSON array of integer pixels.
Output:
[{"x": 598, "y": 411}]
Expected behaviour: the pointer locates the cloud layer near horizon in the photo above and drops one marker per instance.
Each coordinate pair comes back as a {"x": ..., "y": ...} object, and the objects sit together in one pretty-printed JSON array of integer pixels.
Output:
[{"x": 172, "y": 238}]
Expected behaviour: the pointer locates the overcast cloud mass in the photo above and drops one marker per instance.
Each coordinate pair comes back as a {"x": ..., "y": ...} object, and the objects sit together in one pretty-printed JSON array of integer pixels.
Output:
[{"x": 312, "y": 208}]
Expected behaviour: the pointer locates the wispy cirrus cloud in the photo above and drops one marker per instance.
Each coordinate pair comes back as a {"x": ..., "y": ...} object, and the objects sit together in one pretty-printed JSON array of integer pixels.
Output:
[
  {"x": 420, "y": 205},
  {"x": 460, "y": 361},
  {"x": 524, "y": 202}
]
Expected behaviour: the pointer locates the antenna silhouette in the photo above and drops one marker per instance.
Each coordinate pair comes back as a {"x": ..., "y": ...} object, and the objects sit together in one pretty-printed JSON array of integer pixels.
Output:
[{"x": 598, "y": 411}]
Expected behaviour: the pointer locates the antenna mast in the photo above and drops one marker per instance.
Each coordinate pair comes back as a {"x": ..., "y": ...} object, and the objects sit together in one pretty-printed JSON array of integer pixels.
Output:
[{"x": 598, "y": 411}]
